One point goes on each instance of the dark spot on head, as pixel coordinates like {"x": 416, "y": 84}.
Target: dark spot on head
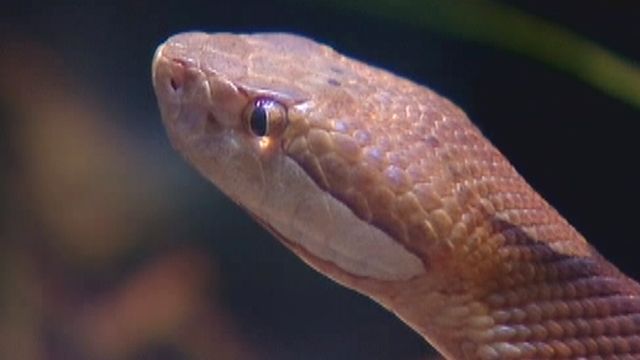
{"x": 333, "y": 82}
{"x": 432, "y": 141}
{"x": 336, "y": 70}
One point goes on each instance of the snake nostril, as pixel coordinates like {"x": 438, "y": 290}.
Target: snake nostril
{"x": 177, "y": 76}
{"x": 176, "y": 81}
{"x": 174, "y": 84}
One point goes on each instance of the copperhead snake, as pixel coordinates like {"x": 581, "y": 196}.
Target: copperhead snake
{"x": 389, "y": 189}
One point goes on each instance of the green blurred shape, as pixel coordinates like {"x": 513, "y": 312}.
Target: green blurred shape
{"x": 505, "y": 27}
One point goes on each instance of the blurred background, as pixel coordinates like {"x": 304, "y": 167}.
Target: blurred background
{"x": 111, "y": 247}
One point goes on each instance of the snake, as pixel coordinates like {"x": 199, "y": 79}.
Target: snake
{"x": 389, "y": 189}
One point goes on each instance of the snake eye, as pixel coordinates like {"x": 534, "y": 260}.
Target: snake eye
{"x": 266, "y": 117}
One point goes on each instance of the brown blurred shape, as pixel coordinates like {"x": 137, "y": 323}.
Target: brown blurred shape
{"x": 85, "y": 179}
{"x": 164, "y": 301}
{"x": 84, "y": 198}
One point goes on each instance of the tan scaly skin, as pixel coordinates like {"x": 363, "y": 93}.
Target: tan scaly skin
{"x": 389, "y": 189}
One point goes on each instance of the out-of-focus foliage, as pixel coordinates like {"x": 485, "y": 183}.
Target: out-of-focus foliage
{"x": 506, "y": 27}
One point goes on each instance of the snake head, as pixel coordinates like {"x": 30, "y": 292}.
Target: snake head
{"x": 244, "y": 110}
{"x": 221, "y": 116}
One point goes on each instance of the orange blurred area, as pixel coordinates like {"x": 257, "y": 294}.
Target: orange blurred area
{"x": 84, "y": 196}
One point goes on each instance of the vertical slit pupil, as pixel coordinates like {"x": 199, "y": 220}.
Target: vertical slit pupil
{"x": 259, "y": 120}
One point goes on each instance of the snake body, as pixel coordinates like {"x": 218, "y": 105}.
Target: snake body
{"x": 389, "y": 189}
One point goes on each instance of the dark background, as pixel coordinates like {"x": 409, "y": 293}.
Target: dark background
{"x": 112, "y": 247}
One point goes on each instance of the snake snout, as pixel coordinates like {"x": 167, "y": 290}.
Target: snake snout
{"x": 170, "y": 78}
